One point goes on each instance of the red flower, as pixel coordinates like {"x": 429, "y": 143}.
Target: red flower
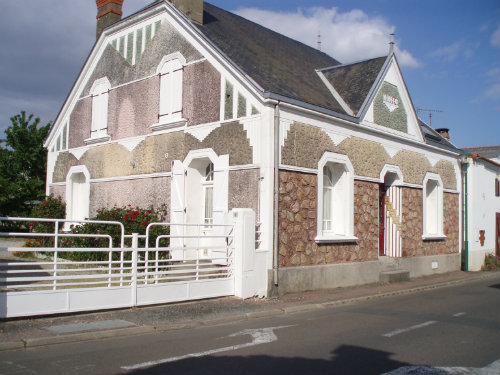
{"x": 133, "y": 216}
{"x": 135, "y": 212}
{"x": 146, "y": 222}
{"x": 126, "y": 217}
{"x": 130, "y": 205}
{"x": 109, "y": 215}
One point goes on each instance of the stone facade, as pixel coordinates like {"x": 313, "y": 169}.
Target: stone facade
{"x": 368, "y": 158}
{"x": 298, "y": 220}
{"x": 412, "y": 225}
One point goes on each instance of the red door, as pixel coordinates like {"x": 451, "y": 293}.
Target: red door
{"x": 497, "y": 245}
{"x": 381, "y": 219}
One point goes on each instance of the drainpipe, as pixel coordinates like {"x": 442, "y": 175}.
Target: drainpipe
{"x": 465, "y": 212}
{"x": 276, "y": 190}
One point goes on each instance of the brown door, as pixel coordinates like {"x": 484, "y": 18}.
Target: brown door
{"x": 381, "y": 219}
{"x": 497, "y": 244}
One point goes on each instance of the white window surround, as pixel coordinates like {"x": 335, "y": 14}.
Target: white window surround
{"x": 77, "y": 193}
{"x": 170, "y": 70}
{"x": 432, "y": 203}
{"x": 344, "y": 232}
{"x": 99, "y": 126}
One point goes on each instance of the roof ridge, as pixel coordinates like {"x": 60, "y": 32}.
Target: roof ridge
{"x": 353, "y": 63}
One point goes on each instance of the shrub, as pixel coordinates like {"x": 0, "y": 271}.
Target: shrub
{"x": 491, "y": 263}
{"x": 134, "y": 220}
{"x": 50, "y": 208}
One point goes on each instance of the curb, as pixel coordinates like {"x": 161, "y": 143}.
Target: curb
{"x": 162, "y": 327}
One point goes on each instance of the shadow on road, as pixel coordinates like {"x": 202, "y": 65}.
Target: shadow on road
{"x": 345, "y": 360}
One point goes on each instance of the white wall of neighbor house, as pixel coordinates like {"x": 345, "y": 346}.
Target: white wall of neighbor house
{"x": 483, "y": 206}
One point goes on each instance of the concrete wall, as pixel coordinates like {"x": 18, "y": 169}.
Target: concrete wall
{"x": 329, "y": 276}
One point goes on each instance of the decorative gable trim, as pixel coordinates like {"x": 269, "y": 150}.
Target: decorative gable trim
{"x": 335, "y": 94}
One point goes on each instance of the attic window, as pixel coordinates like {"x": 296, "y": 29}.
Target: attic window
{"x": 235, "y": 104}
{"x": 99, "y": 128}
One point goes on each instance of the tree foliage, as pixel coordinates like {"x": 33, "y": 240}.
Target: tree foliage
{"x": 23, "y": 162}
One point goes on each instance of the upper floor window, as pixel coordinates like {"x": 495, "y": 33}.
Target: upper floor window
{"x": 171, "y": 91}
{"x": 335, "y": 199}
{"x": 432, "y": 207}
{"x": 99, "y": 92}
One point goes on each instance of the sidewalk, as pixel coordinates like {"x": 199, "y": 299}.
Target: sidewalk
{"x": 30, "y": 332}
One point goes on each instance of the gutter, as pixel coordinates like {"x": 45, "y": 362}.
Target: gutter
{"x": 276, "y": 191}
{"x": 465, "y": 209}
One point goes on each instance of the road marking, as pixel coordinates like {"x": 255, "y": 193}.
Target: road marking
{"x": 491, "y": 369}
{"x": 259, "y": 336}
{"x": 459, "y": 314}
{"x": 403, "y": 330}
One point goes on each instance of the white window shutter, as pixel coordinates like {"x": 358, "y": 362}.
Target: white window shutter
{"x": 164, "y": 94}
{"x": 177, "y": 206}
{"x": 176, "y": 91}
{"x": 220, "y": 205}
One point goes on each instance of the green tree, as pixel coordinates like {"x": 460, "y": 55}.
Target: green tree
{"x": 23, "y": 162}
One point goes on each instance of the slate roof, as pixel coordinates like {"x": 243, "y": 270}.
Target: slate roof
{"x": 433, "y": 138}
{"x": 280, "y": 65}
{"x": 354, "y": 81}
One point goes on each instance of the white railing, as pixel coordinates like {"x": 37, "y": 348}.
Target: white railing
{"x": 87, "y": 273}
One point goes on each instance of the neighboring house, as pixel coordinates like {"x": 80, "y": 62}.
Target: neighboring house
{"x": 192, "y": 106}
{"x": 482, "y": 204}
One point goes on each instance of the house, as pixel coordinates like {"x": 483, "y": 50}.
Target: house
{"x": 481, "y": 174}
{"x": 190, "y": 105}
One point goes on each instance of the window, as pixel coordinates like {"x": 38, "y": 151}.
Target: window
{"x": 335, "y": 199}
{"x": 99, "y": 128}
{"x": 432, "y": 207}
{"x": 208, "y": 195}
{"x": 171, "y": 91}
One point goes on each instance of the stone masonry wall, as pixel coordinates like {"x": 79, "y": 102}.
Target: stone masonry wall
{"x": 412, "y": 225}
{"x": 298, "y": 218}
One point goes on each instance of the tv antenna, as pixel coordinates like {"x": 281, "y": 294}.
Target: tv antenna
{"x": 431, "y": 111}
{"x": 319, "y": 40}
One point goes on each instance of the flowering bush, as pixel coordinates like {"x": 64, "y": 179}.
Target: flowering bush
{"x": 134, "y": 220}
{"x": 491, "y": 263}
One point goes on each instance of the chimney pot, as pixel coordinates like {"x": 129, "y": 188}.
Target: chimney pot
{"x": 444, "y": 132}
{"x": 108, "y": 12}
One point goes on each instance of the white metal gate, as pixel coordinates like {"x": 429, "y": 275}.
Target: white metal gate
{"x": 42, "y": 280}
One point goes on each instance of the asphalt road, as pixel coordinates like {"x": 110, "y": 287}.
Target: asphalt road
{"x": 452, "y": 327}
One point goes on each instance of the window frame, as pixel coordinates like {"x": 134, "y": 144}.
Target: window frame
{"x": 346, "y": 196}
{"x": 171, "y": 78}
{"x": 437, "y": 207}
{"x": 100, "y": 103}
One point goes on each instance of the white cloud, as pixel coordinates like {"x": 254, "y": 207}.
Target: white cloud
{"x": 348, "y": 37}
{"x": 449, "y": 52}
{"x": 493, "y": 82}
{"x": 495, "y": 38}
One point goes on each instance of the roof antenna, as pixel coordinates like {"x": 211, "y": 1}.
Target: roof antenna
{"x": 319, "y": 40}
{"x": 391, "y": 43}
{"x": 430, "y": 113}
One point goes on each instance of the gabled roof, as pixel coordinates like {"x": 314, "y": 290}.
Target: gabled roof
{"x": 354, "y": 81}
{"x": 433, "y": 138}
{"x": 280, "y": 65}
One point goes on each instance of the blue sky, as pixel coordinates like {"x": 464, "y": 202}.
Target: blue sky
{"x": 449, "y": 51}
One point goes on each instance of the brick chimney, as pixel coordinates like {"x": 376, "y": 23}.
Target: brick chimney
{"x": 108, "y": 12}
{"x": 444, "y": 132}
{"x": 193, "y": 9}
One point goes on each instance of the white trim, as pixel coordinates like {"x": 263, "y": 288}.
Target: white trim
{"x": 298, "y": 169}
{"x": 85, "y": 193}
{"x": 335, "y": 238}
{"x": 102, "y": 139}
{"x": 243, "y": 167}
{"x": 430, "y": 237}
{"x": 335, "y": 94}
{"x": 440, "y": 207}
{"x": 394, "y": 169}
{"x": 348, "y": 195}
{"x": 167, "y": 125}
{"x": 170, "y": 57}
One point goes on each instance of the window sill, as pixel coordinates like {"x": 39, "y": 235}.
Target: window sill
{"x": 172, "y": 124}
{"x": 335, "y": 239}
{"x": 433, "y": 237}
{"x": 91, "y": 141}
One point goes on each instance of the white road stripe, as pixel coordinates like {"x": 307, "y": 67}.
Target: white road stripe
{"x": 259, "y": 336}
{"x": 403, "y": 330}
{"x": 459, "y": 314}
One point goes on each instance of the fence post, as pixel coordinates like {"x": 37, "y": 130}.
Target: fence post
{"x": 135, "y": 246}
{"x": 245, "y": 280}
